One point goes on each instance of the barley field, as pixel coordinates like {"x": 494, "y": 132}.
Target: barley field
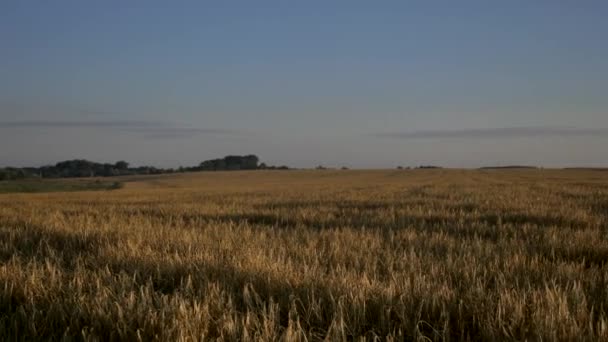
{"x": 311, "y": 255}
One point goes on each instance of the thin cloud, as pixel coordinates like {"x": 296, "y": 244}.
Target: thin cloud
{"x": 507, "y": 132}
{"x": 150, "y": 129}
{"x": 177, "y": 132}
{"x": 90, "y": 112}
{"x": 70, "y": 124}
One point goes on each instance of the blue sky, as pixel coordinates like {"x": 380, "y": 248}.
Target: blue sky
{"x": 362, "y": 84}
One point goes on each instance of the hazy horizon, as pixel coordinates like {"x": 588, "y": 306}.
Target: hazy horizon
{"x": 344, "y": 84}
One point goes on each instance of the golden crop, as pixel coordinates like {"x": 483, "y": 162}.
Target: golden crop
{"x": 311, "y": 255}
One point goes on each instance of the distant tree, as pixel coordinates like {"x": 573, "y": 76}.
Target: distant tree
{"x": 85, "y": 168}
{"x": 107, "y": 170}
{"x": 232, "y": 163}
{"x": 249, "y": 162}
{"x": 49, "y": 172}
{"x": 121, "y": 165}
{"x": 4, "y": 175}
{"x": 76, "y": 168}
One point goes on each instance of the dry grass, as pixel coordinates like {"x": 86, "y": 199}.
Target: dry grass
{"x": 311, "y": 255}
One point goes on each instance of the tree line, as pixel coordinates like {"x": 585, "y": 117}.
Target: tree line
{"x": 85, "y": 168}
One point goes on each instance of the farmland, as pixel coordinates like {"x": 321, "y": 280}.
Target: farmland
{"x": 311, "y": 255}
{"x": 38, "y": 185}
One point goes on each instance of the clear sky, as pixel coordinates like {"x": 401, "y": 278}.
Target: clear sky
{"x": 356, "y": 83}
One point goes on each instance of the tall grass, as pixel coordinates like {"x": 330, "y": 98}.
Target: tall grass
{"x": 311, "y": 255}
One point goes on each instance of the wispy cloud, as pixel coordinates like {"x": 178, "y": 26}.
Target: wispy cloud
{"x": 506, "y": 132}
{"x": 177, "y": 132}
{"x": 101, "y": 113}
{"x": 150, "y": 129}
{"x": 68, "y": 124}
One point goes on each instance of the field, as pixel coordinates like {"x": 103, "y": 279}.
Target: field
{"x": 311, "y": 255}
{"x": 56, "y": 185}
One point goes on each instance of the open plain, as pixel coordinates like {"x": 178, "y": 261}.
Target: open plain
{"x": 311, "y": 255}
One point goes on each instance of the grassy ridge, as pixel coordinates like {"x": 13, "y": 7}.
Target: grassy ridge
{"x": 308, "y": 255}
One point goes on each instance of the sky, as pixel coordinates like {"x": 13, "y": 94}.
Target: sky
{"x": 363, "y": 84}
